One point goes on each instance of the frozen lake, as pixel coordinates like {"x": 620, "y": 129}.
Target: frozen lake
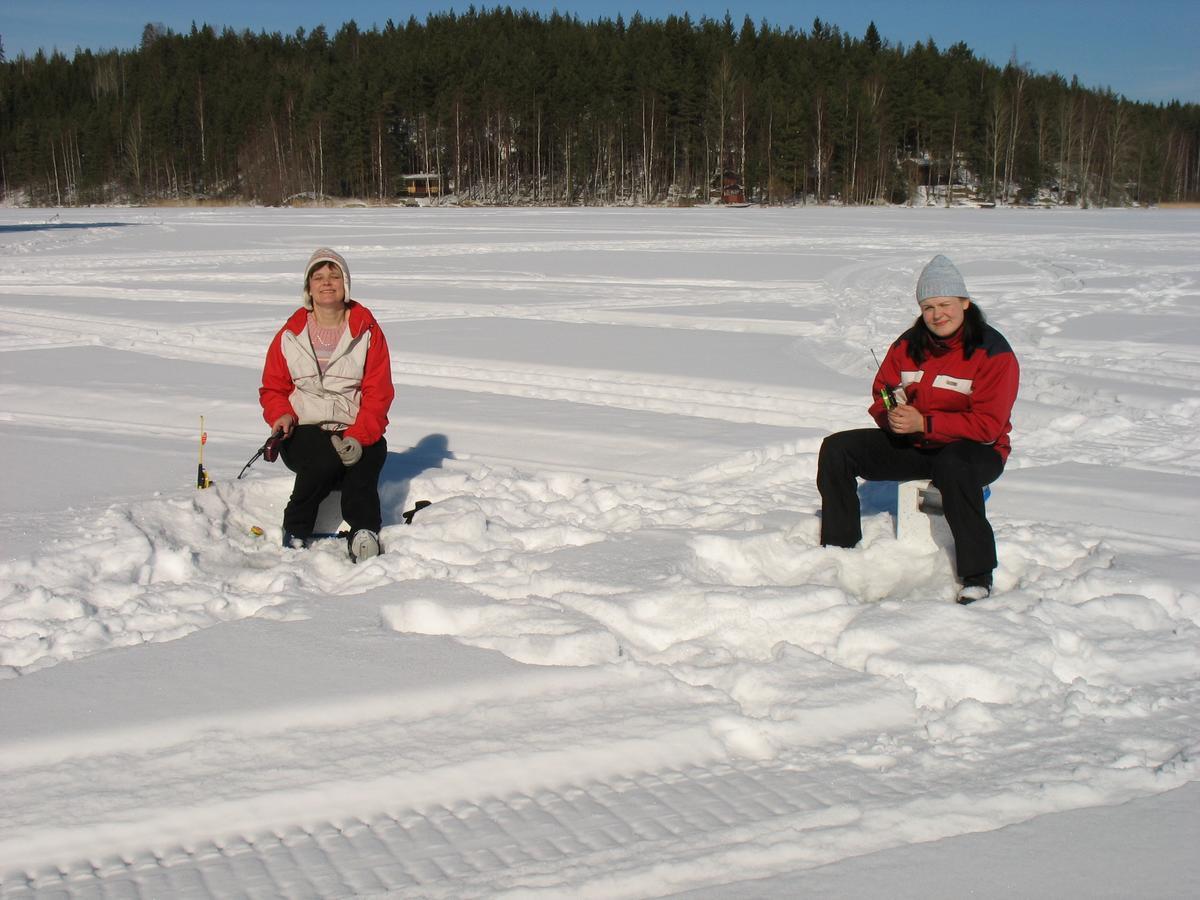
{"x": 611, "y": 659}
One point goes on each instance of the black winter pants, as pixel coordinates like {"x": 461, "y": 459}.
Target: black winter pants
{"x": 959, "y": 470}
{"x": 310, "y": 454}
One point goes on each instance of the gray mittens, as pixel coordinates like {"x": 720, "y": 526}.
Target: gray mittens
{"x": 349, "y": 450}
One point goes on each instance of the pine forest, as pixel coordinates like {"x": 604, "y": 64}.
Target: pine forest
{"x": 504, "y": 107}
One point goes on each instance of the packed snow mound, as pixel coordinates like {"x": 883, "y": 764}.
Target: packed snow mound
{"x": 148, "y": 571}
{"x": 558, "y": 569}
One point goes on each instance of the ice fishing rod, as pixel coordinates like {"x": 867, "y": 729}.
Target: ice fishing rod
{"x": 891, "y": 396}
{"x": 268, "y": 451}
{"x": 202, "y": 479}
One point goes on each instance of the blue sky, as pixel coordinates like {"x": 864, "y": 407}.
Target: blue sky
{"x": 1145, "y": 50}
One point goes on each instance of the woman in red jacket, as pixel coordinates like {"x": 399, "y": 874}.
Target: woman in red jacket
{"x": 327, "y": 387}
{"x": 950, "y": 423}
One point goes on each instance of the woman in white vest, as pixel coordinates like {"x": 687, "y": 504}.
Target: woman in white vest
{"x": 327, "y": 387}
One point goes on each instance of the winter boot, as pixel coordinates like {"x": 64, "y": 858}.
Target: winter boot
{"x": 975, "y": 587}
{"x": 295, "y": 542}
{"x": 364, "y": 544}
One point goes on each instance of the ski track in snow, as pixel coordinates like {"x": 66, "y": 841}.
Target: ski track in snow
{"x": 713, "y": 695}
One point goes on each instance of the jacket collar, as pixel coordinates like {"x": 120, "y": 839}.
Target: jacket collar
{"x": 939, "y": 346}
{"x": 358, "y": 317}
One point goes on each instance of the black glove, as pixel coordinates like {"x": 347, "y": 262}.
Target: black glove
{"x": 349, "y": 450}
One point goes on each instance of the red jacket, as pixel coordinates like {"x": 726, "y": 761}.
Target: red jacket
{"x": 961, "y": 399}
{"x": 353, "y": 394}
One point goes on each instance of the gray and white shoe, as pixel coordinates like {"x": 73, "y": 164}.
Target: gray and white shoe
{"x": 364, "y": 544}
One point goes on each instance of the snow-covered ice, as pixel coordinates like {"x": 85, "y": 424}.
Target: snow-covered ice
{"x": 611, "y": 658}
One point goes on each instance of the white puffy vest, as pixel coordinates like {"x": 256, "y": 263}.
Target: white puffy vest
{"x": 330, "y": 400}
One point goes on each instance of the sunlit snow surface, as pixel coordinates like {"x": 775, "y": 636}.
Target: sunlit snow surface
{"x": 611, "y": 659}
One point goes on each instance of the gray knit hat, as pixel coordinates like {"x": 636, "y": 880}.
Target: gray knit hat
{"x": 320, "y": 256}
{"x": 940, "y": 278}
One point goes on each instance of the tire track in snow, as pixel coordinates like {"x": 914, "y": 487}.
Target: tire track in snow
{"x": 548, "y": 839}
{"x": 678, "y": 395}
{"x": 648, "y": 833}
{"x": 39, "y": 330}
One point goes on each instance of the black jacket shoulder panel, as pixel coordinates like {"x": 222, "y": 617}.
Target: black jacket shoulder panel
{"x": 994, "y": 343}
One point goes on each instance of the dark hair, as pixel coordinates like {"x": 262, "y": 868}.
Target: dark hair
{"x": 923, "y": 341}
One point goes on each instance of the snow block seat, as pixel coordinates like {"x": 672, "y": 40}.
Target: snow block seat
{"x": 916, "y": 502}
{"x": 329, "y": 517}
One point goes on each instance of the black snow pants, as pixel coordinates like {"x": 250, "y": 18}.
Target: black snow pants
{"x": 959, "y": 470}
{"x": 319, "y": 471}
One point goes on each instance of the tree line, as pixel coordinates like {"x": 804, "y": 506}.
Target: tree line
{"x": 510, "y": 107}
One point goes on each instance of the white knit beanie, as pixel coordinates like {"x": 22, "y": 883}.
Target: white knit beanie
{"x": 320, "y": 256}
{"x": 940, "y": 278}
